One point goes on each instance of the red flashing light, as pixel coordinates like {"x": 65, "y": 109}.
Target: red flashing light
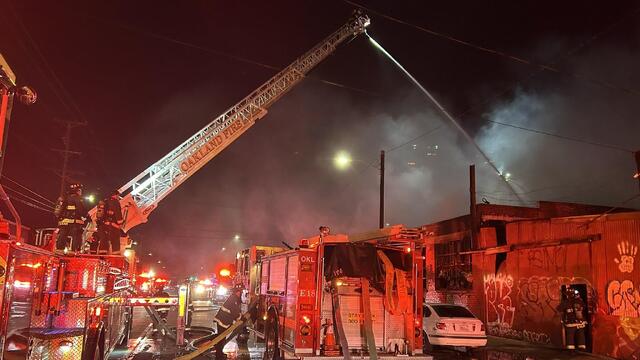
{"x": 408, "y": 250}
{"x": 18, "y": 243}
{"x": 225, "y": 272}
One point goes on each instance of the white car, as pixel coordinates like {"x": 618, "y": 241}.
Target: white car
{"x": 451, "y": 325}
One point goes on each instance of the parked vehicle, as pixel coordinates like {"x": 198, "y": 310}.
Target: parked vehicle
{"x": 451, "y": 325}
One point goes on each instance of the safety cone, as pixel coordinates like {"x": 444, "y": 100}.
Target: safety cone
{"x": 329, "y": 346}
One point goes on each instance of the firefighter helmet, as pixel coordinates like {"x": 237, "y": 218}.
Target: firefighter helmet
{"x": 75, "y": 187}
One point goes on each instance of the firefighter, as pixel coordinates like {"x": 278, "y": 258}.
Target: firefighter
{"x": 109, "y": 219}
{"x": 574, "y": 317}
{"x": 228, "y": 313}
{"x": 71, "y": 214}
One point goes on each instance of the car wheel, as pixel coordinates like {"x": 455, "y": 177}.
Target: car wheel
{"x": 426, "y": 345}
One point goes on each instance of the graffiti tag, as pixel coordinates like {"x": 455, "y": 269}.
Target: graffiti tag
{"x": 540, "y": 296}
{"x": 627, "y": 255}
{"x": 497, "y": 290}
{"x": 552, "y": 259}
{"x": 623, "y": 299}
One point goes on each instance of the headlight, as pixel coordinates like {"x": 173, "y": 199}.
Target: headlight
{"x": 222, "y": 291}
{"x": 200, "y": 289}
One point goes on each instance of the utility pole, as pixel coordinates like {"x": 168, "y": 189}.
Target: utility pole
{"x": 472, "y": 205}
{"x": 637, "y": 175}
{"x": 67, "y": 152}
{"x": 381, "y": 189}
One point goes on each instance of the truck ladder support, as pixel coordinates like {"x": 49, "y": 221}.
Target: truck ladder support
{"x": 158, "y": 322}
{"x": 231, "y": 332}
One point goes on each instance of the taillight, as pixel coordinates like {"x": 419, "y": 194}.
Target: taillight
{"x": 441, "y": 326}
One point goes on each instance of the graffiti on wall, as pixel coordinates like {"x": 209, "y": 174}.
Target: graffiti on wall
{"x": 498, "y": 290}
{"x": 505, "y": 330}
{"x": 539, "y": 296}
{"x": 627, "y": 254}
{"x": 548, "y": 259}
{"x": 623, "y": 298}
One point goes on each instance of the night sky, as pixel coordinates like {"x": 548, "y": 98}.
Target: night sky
{"x": 146, "y": 75}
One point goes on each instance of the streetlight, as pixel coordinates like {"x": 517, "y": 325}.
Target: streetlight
{"x": 343, "y": 161}
{"x": 236, "y": 237}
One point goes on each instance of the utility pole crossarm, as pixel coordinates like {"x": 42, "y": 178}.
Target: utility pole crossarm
{"x": 143, "y": 193}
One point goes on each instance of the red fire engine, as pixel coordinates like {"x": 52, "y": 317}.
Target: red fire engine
{"x": 366, "y": 287}
{"x": 62, "y": 307}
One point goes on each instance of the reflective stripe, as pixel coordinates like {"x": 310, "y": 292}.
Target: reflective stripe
{"x": 70, "y": 221}
{"x": 71, "y": 207}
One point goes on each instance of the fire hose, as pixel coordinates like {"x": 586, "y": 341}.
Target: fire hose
{"x": 401, "y": 303}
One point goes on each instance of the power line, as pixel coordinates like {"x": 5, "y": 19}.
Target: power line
{"x": 32, "y": 205}
{"x": 415, "y": 138}
{"x": 33, "y": 200}
{"x": 220, "y": 53}
{"x": 564, "y": 137}
{"x": 521, "y": 60}
{"x": 29, "y": 190}
{"x": 61, "y": 88}
{"x": 611, "y": 209}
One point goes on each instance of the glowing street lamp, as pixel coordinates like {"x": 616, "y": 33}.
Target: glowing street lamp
{"x": 342, "y": 160}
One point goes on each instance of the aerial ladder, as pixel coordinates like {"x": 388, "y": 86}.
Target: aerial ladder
{"x": 143, "y": 193}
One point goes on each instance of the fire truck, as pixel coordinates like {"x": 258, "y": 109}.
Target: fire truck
{"x": 363, "y": 289}
{"x": 62, "y": 307}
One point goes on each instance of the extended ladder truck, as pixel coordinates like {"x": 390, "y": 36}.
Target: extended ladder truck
{"x": 58, "y": 318}
{"x": 338, "y": 296}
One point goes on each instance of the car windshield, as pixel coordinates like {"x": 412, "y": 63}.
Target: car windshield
{"x": 452, "y": 311}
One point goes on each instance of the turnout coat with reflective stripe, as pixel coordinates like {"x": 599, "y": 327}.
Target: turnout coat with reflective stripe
{"x": 229, "y": 312}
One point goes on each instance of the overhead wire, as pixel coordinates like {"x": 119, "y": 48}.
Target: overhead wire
{"x": 28, "y": 189}
{"x": 28, "y": 198}
{"x": 220, "y": 53}
{"x": 518, "y": 59}
{"x": 613, "y": 208}
{"x": 61, "y": 92}
{"x": 564, "y": 137}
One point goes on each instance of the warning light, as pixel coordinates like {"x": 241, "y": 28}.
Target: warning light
{"x": 408, "y": 250}
{"x": 306, "y": 319}
{"x": 225, "y": 272}
{"x": 18, "y": 243}
{"x": 65, "y": 346}
{"x": 98, "y": 311}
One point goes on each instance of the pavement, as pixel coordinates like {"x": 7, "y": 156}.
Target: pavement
{"x": 147, "y": 344}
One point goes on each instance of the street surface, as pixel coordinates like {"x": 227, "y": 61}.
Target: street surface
{"x": 145, "y": 343}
